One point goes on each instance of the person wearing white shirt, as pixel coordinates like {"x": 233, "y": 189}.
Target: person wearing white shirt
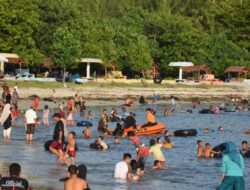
{"x": 122, "y": 169}
{"x": 31, "y": 120}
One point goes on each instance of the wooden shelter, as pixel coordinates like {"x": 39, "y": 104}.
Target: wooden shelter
{"x": 239, "y": 70}
{"x": 197, "y": 68}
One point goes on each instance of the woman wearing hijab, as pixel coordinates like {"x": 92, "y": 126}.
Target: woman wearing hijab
{"x": 82, "y": 173}
{"x": 6, "y": 121}
{"x": 232, "y": 168}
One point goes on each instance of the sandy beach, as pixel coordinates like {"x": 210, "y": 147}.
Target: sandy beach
{"x": 120, "y": 93}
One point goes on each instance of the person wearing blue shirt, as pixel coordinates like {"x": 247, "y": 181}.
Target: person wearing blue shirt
{"x": 232, "y": 169}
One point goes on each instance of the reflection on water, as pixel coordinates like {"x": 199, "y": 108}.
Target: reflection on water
{"x": 185, "y": 170}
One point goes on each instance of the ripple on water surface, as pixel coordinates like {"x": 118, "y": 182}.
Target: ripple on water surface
{"x": 185, "y": 170}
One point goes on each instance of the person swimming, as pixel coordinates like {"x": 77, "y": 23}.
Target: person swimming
{"x": 206, "y": 130}
{"x": 87, "y": 133}
{"x": 209, "y": 153}
{"x": 142, "y": 100}
{"x": 200, "y": 149}
{"x": 116, "y": 140}
{"x": 102, "y": 143}
{"x": 156, "y": 166}
{"x": 165, "y": 111}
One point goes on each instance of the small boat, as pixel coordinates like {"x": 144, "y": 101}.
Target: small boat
{"x": 152, "y": 130}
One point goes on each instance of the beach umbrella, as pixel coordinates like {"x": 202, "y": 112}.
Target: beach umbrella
{"x": 180, "y": 65}
{"x": 3, "y": 59}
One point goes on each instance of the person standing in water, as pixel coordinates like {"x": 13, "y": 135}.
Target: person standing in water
{"x": 15, "y": 97}
{"x": 232, "y": 169}
{"x": 122, "y": 169}
{"x": 36, "y": 102}
{"x": 46, "y": 112}
{"x": 70, "y": 149}
{"x": 155, "y": 149}
{"x": 6, "y": 121}
{"x": 30, "y": 120}
{"x": 56, "y": 146}
{"x": 103, "y": 123}
{"x": 142, "y": 155}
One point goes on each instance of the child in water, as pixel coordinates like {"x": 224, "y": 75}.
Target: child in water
{"x": 116, "y": 140}
{"x": 15, "y": 112}
{"x": 134, "y": 139}
{"x": 209, "y": 153}
{"x": 36, "y": 102}
{"x": 200, "y": 149}
{"x": 89, "y": 116}
{"x": 220, "y": 128}
{"x": 206, "y": 130}
{"x": 87, "y": 133}
{"x": 46, "y": 116}
{"x": 156, "y": 166}
{"x": 70, "y": 149}
{"x": 70, "y": 119}
{"x": 165, "y": 111}
{"x": 155, "y": 149}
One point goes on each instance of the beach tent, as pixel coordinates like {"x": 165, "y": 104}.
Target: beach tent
{"x": 89, "y": 61}
{"x": 181, "y": 65}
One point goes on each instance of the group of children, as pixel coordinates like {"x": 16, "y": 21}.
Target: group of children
{"x": 205, "y": 150}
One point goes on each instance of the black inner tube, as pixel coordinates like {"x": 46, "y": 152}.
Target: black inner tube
{"x": 185, "y": 132}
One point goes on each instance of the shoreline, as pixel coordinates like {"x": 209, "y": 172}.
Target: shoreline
{"x": 119, "y": 93}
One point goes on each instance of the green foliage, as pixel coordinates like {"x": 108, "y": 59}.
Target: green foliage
{"x": 133, "y": 33}
{"x": 65, "y": 49}
{"x": 19, "y": 22}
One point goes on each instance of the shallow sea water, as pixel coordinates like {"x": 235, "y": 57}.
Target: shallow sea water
{"x": 185, "y": 171}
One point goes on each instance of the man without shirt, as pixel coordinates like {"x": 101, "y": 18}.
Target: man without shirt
{"x": 74, "y": 182}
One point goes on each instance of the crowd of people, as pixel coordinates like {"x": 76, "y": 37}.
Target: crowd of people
{"x": 64, "y": 144}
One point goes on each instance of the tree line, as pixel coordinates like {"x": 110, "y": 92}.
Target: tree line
{"x": 132, "y": 33}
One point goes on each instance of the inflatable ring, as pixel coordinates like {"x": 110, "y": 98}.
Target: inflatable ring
{"x": 185, "y": 132}
{"x": 167, "y": 145}
{"x": 96, "y": 146}
{"x": 205, "y": 111}
{"x": 47, "y": 145}
{"x": 219, "y": 148}
{"x": 84, "y": 124}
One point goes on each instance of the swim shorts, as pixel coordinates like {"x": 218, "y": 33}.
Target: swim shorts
{"x": 56, "y": 145}
{"x": 72, "y": 153}
{"x": 30, "y": 128}
{"x": 141, "y": 163}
